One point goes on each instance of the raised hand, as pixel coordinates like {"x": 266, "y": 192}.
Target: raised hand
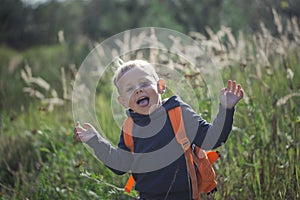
{"x": 230, "y": 95}
{"x": 83, "y": 135}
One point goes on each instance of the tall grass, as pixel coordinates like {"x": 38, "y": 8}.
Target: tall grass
{"x": 39, "y": 158}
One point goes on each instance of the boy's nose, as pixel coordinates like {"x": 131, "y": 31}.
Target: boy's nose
{"x": 138, "y": 90}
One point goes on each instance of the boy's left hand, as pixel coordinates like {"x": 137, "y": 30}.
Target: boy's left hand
{"x": 231, "y": 95}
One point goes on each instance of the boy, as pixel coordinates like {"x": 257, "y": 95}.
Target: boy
{"x": 140, "y": 92}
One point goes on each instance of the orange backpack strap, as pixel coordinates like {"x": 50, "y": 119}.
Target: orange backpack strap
{"x": 127, "y": 134}
{"x": 204, "y": 181}
{"x": 128, "y": 140}
{"x": 175, "y": 115}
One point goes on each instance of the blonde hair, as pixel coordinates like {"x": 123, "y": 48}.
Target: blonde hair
{"x": 127, "y": 66}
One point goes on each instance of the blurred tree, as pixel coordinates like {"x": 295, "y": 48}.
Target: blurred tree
{"x": 53, "y": 16}
{"x": 195, "y": 15}
{"x": 23, "y": 25}
{"x": 12, "y": 22}
{"x": 158, "y": 13}
{"x": 232, "y": 15}
{"x": 103, "y": 19}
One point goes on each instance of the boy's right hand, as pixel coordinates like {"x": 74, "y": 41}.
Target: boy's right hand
{"x": 83, "y": 135}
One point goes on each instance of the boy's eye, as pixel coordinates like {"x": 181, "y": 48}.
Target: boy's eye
{"x": 145, "y": 84}
{"x": 129, "y": 89}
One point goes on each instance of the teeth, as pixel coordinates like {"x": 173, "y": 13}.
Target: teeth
{"x": 139, "y": 99}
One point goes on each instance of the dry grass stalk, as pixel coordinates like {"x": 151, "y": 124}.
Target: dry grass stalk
{"x": 290, "y": 74}
{"x": 64, "y": 84}
{"x": 13, "y": 63}
{"x": 277, "y": 21}
{"x": 296, "y": 29}
{"x": 33, "y": 93}
{"x": 26, "y": 75}
{"x": 284, "y": 99}
{"x": 34, "y": 82}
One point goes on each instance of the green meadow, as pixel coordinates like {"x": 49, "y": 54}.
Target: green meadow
{"x": 40, "y": 160}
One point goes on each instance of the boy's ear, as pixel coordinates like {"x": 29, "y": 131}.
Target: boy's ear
{"x": 161, "y": 86}
{"x": 122, "y": 102}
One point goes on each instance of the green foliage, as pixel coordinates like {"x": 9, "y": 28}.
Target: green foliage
{"x": 39, "y": 158}
{"x": 42, "y": 160}
{"x": 263, "y": 144}
{"x": 24, "y": 25}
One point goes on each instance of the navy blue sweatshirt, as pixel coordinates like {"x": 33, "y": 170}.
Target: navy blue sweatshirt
{"x": 158, "y": 164}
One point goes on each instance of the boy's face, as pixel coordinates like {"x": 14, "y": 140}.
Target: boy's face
{"x": 140, "y": 91}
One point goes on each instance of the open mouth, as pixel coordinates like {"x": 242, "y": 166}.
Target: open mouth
{"x": 143, "y": 101}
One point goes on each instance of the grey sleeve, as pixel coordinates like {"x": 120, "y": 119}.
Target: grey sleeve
{"x": 208, "y": 135}
{"x": 117, "y": 159}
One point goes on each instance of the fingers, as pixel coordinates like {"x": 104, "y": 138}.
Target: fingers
{"x": 228, "y": 88}
{"x": 76, "y": 137}
{"x": 77, "y": 132}
{"x": 88, "y": 125}
{"x": 233, "y": 87}
{"x": 241, "y": 93}
{"x": 79, "y": 128}
{"x": 238, "y": 92}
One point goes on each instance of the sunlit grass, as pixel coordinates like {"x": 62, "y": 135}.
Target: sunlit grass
{"x": 260, "y": 160}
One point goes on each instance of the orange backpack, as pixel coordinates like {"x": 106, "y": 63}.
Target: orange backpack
{"x": 203, "y": 180}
